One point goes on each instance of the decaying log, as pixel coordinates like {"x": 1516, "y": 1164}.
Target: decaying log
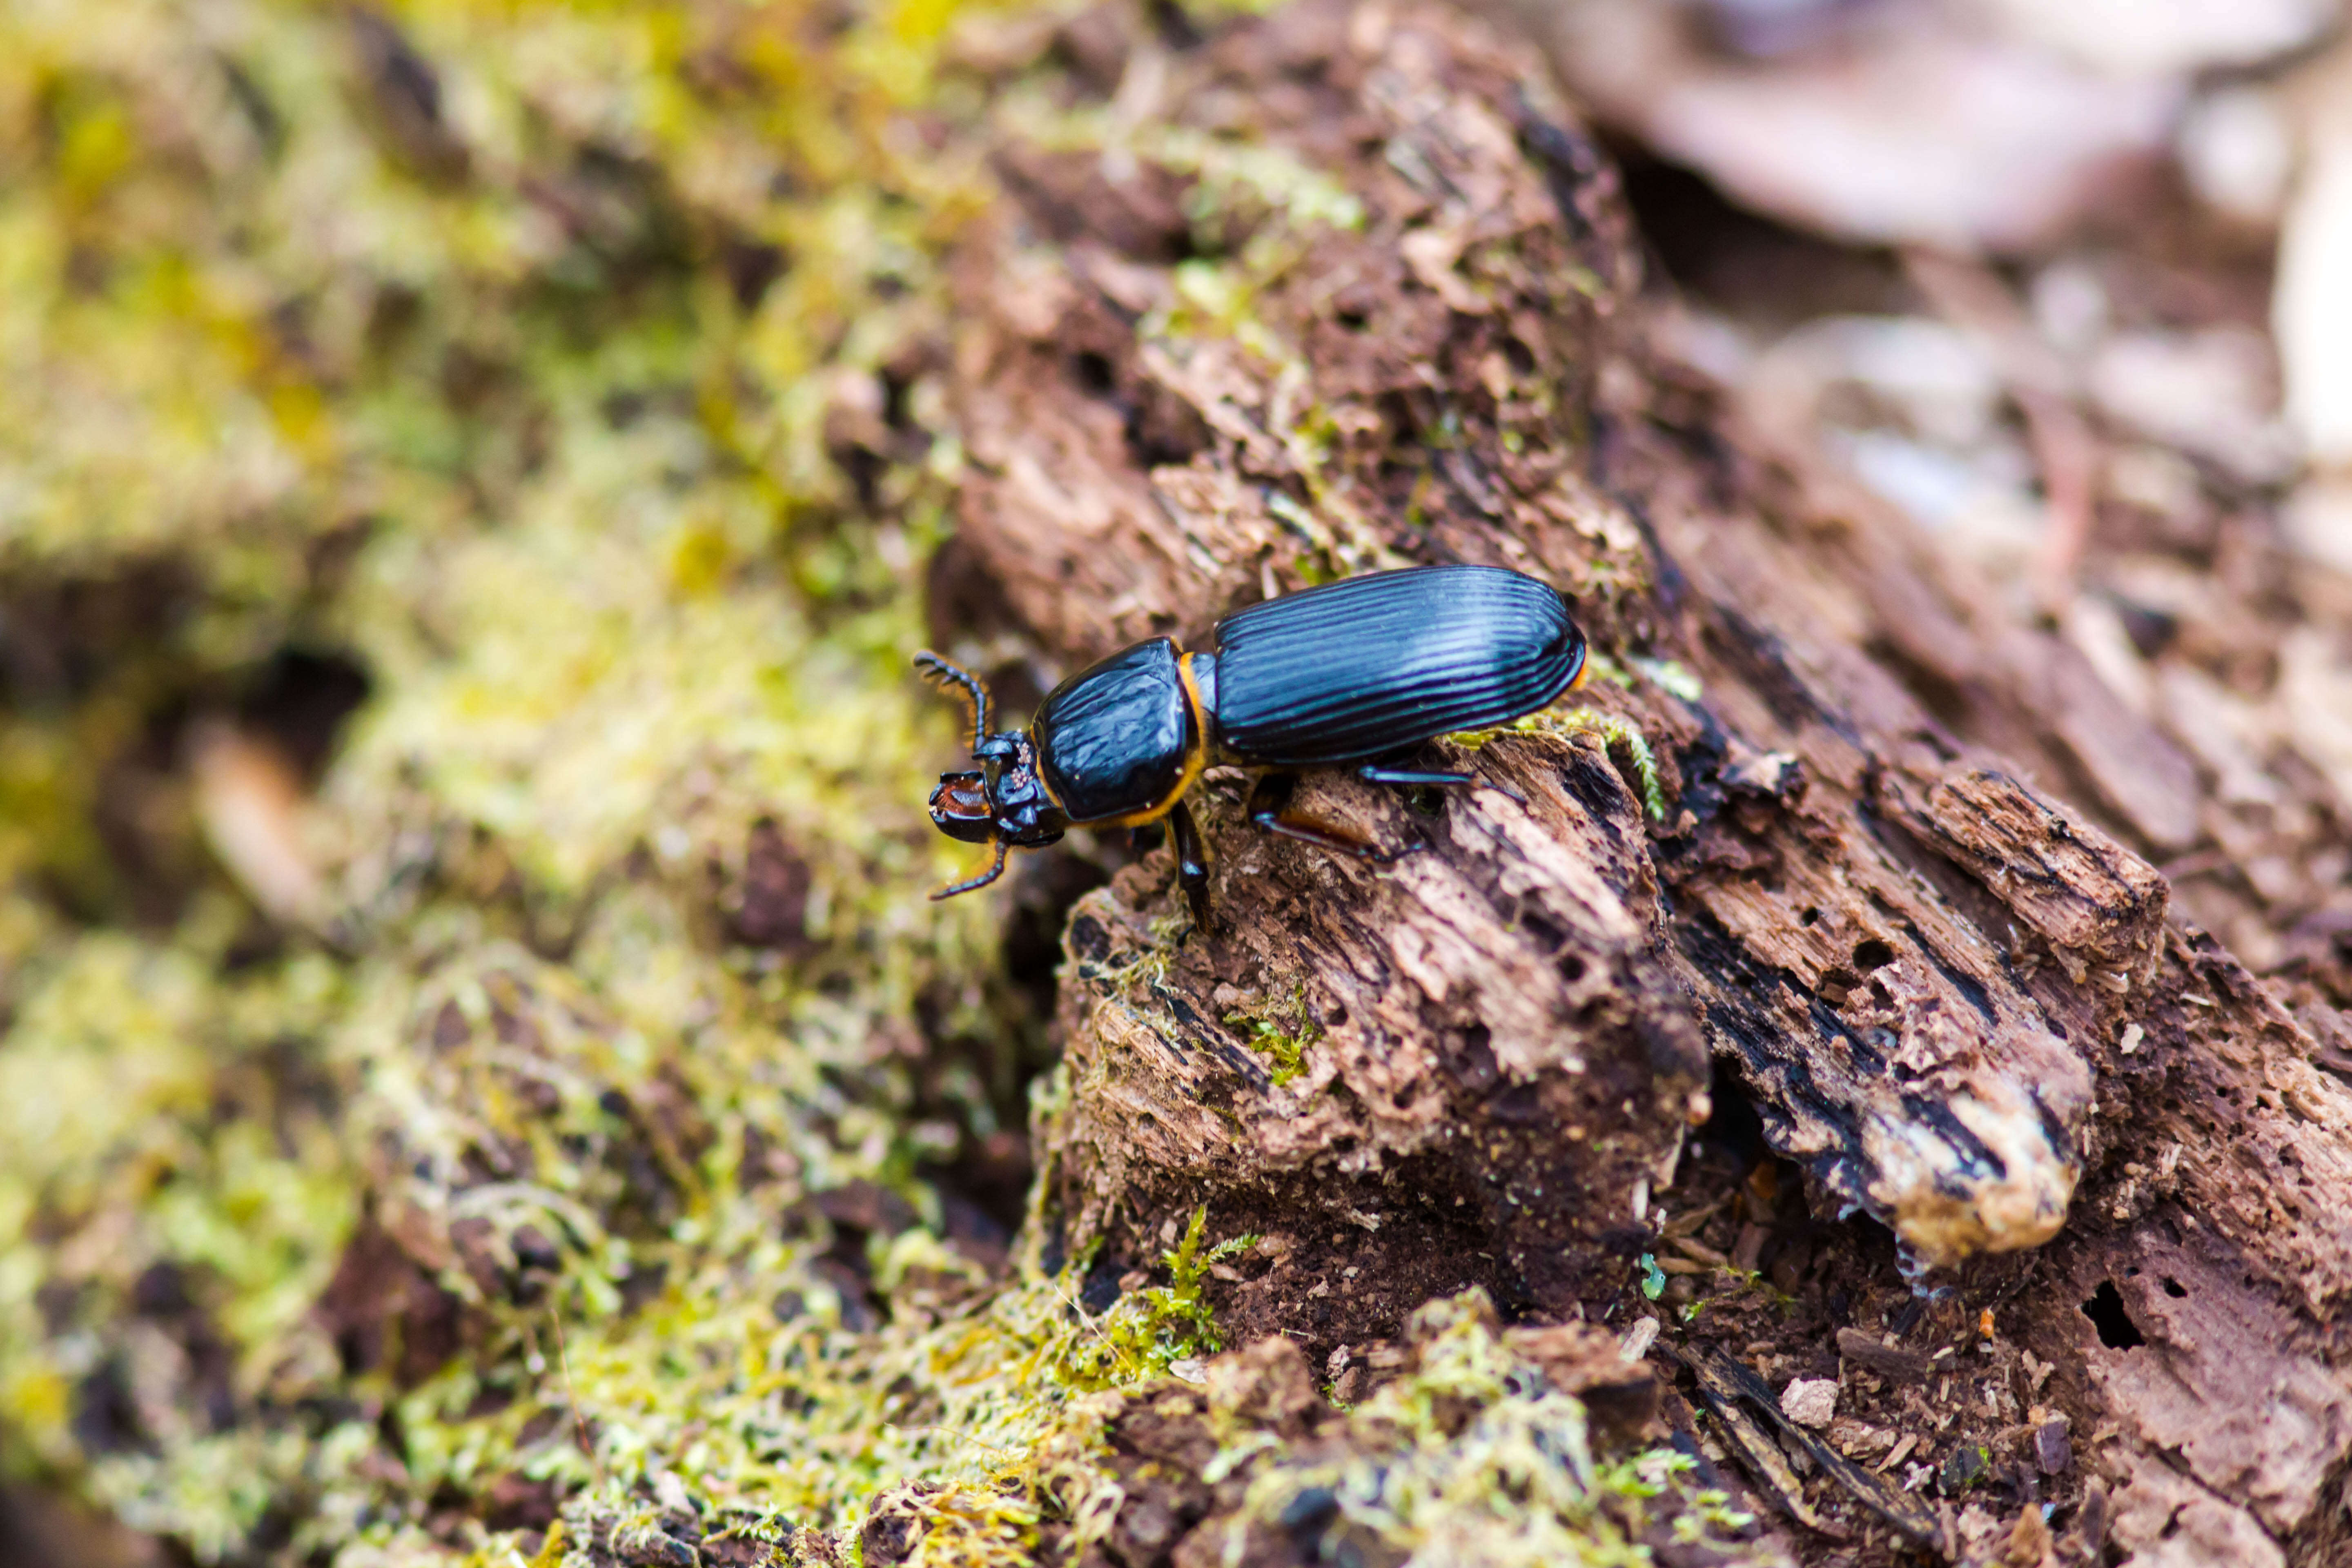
{"x": 1404, "y": 328}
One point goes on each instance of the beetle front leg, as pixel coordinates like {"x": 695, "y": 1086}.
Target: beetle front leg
{"x": 1269, "y": 809}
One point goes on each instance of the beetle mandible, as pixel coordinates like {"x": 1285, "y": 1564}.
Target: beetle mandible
{"x": 1358, "y": 672}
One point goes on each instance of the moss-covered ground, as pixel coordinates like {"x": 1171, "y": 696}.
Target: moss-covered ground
{"x": 506, "y": 1121}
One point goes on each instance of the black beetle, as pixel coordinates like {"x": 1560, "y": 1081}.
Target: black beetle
{"x": 1352, "y": 673}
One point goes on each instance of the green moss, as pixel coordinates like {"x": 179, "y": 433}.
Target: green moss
{"x": 1604, "y": 667}
{"x": 1627, "y": 747}
{"x": 618, "y": 605}
{"x": 1283, "y": 1042}
{"x": 1671, "y": 675}
{"x": 1631, "y": 750}
{"x": 1469, "y": 1456}
{"x": 1176, "y": 1326}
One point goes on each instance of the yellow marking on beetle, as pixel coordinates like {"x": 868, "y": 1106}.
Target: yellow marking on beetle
{"x": 1045, "y": 784}
{"x": 1194, "y": 706}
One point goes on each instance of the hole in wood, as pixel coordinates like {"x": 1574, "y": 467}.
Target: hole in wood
{"x": 1732, "y": 1123}
{"x": 1872, "y": 953}
{"x": 1093, "y": 372}
{"x": 2105, "y": 1311}
{"x": 2174, "y": 1287}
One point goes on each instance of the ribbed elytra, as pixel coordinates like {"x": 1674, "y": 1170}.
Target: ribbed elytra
{"x": 1372, "y": 665}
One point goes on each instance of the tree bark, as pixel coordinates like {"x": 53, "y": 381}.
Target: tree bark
{"x": 1406, "y": 327}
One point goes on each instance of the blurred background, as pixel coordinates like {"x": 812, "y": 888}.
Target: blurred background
{"x": 2067, "y": 285}
{"x": 467, "y": 477}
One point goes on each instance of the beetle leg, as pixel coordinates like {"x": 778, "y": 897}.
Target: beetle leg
{"x": 972, "y": 884}
{"x": 1192, "y": 863}
{"x": 1373, "y": 773}
{"x": 1269, "y": 810}
{"x": 940, "y": 672}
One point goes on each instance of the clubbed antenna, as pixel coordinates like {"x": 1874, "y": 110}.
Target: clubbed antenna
{"x": 940, "y": 672}
{"x": 995, "y": 869}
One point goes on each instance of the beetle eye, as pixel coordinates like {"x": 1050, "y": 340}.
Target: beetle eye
{"x": 962, "y": 810}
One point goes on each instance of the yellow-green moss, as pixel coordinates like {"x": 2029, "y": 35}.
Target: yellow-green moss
{"x": 1628, "y": 748}
{"x": 618, "y": 603}
{"x": 1470, "y": 1458}
{"x": 1281, "y": 1034}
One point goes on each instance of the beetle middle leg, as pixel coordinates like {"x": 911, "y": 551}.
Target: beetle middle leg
{"x": 1380, "y": 773}
{"x": 1192, "y": 863}
{"x": 1373, "y": 773}
{"x": 1269, "y": 809}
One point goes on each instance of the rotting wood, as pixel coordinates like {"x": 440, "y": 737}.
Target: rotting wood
{"x": 1736, "y": 1396}
{"x": 1887, "y": 1361}
{"x": 1958, "y": 1002}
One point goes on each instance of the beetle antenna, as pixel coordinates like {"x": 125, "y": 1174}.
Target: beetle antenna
{"x": 995, "y": 869}
{"x": 941, "y": 673}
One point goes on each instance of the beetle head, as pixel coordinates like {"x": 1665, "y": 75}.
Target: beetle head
{"x": 1004, "y": 798}
{"x": 960, "y": 807}
{"x": 1003, "y": 802}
